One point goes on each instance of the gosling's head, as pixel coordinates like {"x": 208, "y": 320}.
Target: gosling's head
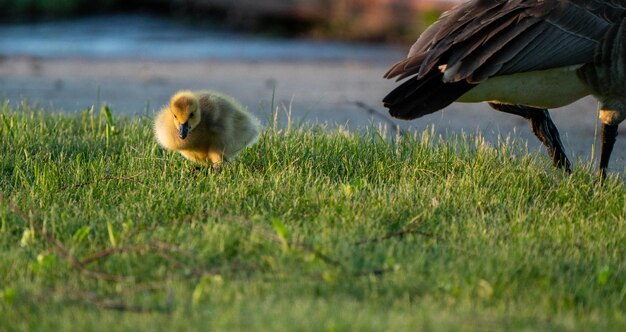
{"x": 186, "y": 110}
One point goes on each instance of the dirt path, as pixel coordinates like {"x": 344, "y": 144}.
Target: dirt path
{"x": 316, "y": 92}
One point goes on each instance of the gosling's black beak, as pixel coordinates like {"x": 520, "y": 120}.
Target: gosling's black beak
{"x": 183, "y": 130}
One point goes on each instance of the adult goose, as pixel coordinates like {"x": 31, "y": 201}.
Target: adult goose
{"x": 523, "y": 57}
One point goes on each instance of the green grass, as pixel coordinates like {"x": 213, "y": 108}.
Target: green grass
{"x": 100, "y": 229}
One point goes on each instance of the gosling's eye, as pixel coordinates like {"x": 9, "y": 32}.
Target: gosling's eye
{"x": 175, "y": 117}
{"x": 191, "y": 115}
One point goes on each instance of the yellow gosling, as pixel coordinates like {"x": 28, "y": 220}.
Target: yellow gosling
{"x": 206, "y": 127}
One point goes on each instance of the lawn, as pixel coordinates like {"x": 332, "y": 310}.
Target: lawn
{"x": 310, "y": 229}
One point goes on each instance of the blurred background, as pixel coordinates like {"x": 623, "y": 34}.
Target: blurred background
{"x": 313, "y": 60}
{"x": 345, "y": 19}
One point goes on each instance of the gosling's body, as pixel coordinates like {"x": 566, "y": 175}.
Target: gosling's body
{"x": 206, "y": 127}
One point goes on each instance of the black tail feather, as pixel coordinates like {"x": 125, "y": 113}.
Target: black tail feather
{"x": 417, "y": 97}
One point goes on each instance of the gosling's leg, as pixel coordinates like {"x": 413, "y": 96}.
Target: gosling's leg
{"x": 216, "y": 158}
{"x": 545, "y": 130}
{"x": 608, "y": 136}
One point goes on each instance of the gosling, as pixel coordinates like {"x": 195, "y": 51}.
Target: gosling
{"x": 206, "y": 127}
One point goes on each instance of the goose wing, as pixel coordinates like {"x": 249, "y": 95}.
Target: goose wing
{"x": 484, "y": 38}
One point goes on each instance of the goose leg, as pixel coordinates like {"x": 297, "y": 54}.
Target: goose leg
{"x": 608, "y": 134}
{"x": 545, "y": 130}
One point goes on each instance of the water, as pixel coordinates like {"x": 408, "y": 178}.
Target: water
{"x": 149, "y": 37}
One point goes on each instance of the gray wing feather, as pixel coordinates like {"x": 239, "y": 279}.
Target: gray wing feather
{"x": 499, "y": 37}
